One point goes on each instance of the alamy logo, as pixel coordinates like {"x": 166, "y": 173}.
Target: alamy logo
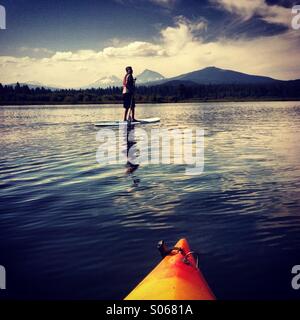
{"x": 296, "y": 278}
{"x": 2, "y": 18}
{"x": 2, "y": 278}
{"x": 135, "y": 146}
{"x": 296, "y": 18}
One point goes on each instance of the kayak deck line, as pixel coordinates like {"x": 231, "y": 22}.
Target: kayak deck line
{"x": 176, "y": 277}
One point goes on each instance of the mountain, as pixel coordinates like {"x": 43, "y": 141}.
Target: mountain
{"x": 105, "y": 82}
{"x": 213, "y": 75}
{"x": 34, "y": 85}
{"x": 148, "y": 76}
{"x": 176, "y": 83}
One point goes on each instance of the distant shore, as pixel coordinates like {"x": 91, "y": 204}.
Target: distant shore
{"x": 43, "y": 103}
{"x": 23, "y": 95}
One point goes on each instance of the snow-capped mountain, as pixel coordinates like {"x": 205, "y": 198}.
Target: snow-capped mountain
{"x": 105, "y": 82}
{"x": 149, "y": 76}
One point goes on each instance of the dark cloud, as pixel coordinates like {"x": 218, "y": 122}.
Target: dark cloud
{"x": 283, "y": 3}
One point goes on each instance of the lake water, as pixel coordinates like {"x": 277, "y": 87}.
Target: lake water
{"x": 71, "y": 228}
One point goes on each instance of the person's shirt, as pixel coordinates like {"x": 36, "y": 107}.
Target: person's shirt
{"x": 128, "y": 84}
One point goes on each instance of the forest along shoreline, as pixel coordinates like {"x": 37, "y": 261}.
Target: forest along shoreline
{"x": 24, "y": 95}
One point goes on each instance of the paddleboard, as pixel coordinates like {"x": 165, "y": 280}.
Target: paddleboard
{"x": 118, "y": 122}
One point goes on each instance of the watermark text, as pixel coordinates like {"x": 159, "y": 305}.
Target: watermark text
{"x": 296, "y": 17}
{"x": 2, "y": 18}
{"x": 151, "y": 147}
{"x": 296, "y": 278}
{"x": 2, "y": 278}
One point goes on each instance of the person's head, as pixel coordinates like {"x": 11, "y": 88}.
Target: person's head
{"x": 129, "y": 70}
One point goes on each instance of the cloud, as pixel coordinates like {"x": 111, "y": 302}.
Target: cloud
{"x": 78, "y": 56}
{"x": 246, "y": 9}
{"x": 162, "y": 3}
{"x": 165, "y": 3}
{"x": 179, "y": 48}
{"x": 8, "y": 60}
{"x": 134, "y": 49}
{"x": 36, "y": 50}
{"x": 175, "y": 38}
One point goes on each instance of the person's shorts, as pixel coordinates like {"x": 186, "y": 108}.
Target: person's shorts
{"x": 128, "y": 101}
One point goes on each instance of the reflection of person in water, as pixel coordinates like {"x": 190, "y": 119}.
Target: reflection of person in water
{"x": 131, "y": 167}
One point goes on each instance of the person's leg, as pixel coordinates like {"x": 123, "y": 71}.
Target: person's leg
{"x": 125, "y": 105}
{"x": 133, "y": 110}
{"x": 125, "y": 114}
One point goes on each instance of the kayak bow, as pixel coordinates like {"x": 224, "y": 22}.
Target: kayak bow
{"x": 176, "y": 277}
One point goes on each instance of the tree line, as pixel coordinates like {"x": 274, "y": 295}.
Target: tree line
{"x": 23, "y": 94}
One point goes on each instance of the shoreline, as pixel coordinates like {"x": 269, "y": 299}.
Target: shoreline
{"x": 42, "y": 103}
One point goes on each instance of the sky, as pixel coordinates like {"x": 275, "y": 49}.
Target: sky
{"x": 74, "y": 43}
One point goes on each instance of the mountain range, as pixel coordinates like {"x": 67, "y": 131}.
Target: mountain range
{"x": 209, "y": 75}
{"x": 36, "y": 84}
{"x": 146, "y": 77}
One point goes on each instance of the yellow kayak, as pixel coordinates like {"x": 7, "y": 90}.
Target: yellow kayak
{"x": 176, "y": 277}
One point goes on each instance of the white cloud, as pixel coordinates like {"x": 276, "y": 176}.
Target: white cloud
{"x": 165, "y": 3}
{"x": 162, "y": 3}
{"x": 36, "y": 50}
{"x": 246, "y": 9}
{"x": 80, "y": 55}
{"x": 134, "y": 49}
{"x": 178, "y": 49}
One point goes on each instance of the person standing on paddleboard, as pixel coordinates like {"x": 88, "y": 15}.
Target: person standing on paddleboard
{"x": 128, "y": 94}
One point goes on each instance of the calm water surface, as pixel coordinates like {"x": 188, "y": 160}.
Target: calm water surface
{"x": 71, "y": 228}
